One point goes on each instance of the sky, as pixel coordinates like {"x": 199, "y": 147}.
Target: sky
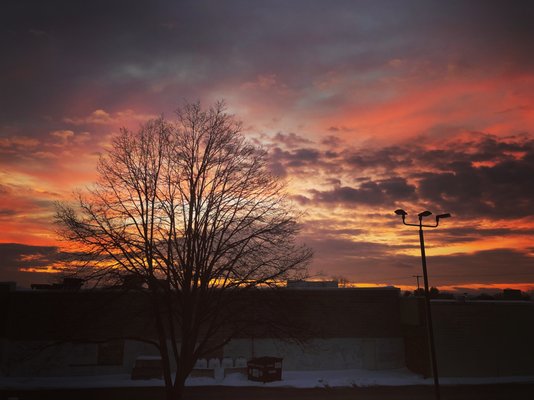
{"x": 364, "y": 107}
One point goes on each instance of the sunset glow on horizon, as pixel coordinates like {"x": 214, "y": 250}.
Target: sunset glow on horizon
{"x": 364, "y": 108}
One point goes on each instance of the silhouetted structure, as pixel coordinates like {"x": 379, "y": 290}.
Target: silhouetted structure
{"x": 305, "y": 284}
{"x": 87, "y": 332}
{"x": 105, "y": 331}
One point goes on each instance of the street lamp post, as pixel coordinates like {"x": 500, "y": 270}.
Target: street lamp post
{"x": 430, "y": 329}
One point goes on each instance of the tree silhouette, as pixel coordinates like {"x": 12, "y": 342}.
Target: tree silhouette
{"x": 191, "y": 209}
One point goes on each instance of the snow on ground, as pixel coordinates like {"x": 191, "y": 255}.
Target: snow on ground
{"x": 294, "y": 379}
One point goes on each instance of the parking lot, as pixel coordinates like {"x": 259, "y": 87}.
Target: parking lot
{"x": 460, "y": 392}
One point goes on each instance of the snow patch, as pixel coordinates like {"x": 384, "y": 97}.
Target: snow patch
{"x": 293, "y": 379}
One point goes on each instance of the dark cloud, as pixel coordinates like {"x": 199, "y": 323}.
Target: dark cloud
{"x": 332, "y": 141}
{"x": 277, "y": 169}
{"x": 481, "y": 175}
{"x": 445, "y": 156}
{"x": 337, "y": 253}
{"x": 151, "y": 50}
{"x": 290, "y": 140}
{"x": 487, "y": 266}
{"x": 323, "y": 229}
{"x": 27, "y": 264}
{"x": 18, "y": 257}
{"x": 471, "y": 234}
{"x": 373, "y": 262}
{"x": 472, "y": 176}
{"x": 503, "y": 190}
{"x": 6, "y": 212}
{"x": 387, "y": 191}
{"x": 296, "y": 159}
{"x": 303, "y": 156}
{"x": 388, "y": 158}
{"x": 475, "y": 148}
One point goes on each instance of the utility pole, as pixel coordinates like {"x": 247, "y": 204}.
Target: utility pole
{"x": 417, "y": 277}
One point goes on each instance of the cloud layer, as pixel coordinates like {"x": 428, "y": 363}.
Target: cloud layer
{"x": 364, "y": 107}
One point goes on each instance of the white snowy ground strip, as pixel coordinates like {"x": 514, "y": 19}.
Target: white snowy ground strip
{"x": 294, "y": 379}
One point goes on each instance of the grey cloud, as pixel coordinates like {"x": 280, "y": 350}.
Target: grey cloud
{"x": 502, "y": 190}
{"x": 488, "y": 266}
{"x": 305, "y": 155}
{"x": 374, "y": 262}
{"x": 295, "y": 158}
{"x": 478, "y": 148}
{"x": 330, "y": 154}
{"x": 277, "y": 169}
{"x": 6, "y": 212}
{"x": 27, "y": 264}
{"x": 332, "y": 140}
{"x": 303, "y": 200}
{"x": 470, "y": 234}
{"x": 290, "y": 140}
{"x": 109, "y": 51}
{"x": 332, "y": 250}
{"x": 481, "y": 176}
{"x": 15, "y": 256}
{"x": 322, "y": 229}
{"x": 387, "y": 191}
{"x": 390, "y": 158}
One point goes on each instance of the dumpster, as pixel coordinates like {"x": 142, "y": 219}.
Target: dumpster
{"x": 265, "y": 369}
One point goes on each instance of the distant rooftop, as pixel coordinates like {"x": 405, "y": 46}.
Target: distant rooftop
{"x": 302, "y": 284}
{"x": 332, "y": 284}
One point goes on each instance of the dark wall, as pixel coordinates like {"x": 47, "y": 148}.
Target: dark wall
{"x": 485, "y": 338}
{"x": 472, "y": 338}
{"x": 98, "y": 315}
{"x": 348, "y": 312}
{"x": 74, "y": 315}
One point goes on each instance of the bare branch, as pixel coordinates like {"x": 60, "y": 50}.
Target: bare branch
{"x": 191, "y": 208}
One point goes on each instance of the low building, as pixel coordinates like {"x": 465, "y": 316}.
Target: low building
{"x": 66, "y": 332}
{"x": 61, "y": 331}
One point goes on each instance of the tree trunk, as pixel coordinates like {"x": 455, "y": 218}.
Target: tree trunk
{"x": 173, "y": 394}
{"x": 179, "y": 386}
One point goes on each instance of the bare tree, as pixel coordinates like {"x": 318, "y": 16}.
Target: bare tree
{"x": 191, "y": 208}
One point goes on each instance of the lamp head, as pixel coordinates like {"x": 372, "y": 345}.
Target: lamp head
{"x": 424, "y": 214}
{"x": 440, "y": 216}
{"x": 401, "y": 212}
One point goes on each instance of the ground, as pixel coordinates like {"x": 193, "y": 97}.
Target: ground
{"x": 455, "y": 392}
{"x": 398, "y": 384}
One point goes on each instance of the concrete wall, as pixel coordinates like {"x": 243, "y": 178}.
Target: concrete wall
{"x": 370, "y": 329}
{"x": 324, "y": 354}
{"x": 484, "y": 338}
{"x": 33, "y": 358}
{"x": 44, "y": 358}
{"x": 344, "y": 328}
{"x": 472, "y": 338}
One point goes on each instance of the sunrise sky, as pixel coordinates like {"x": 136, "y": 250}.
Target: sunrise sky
{"x": 364, "y": 106}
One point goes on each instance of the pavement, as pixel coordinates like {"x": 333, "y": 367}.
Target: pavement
{"x": 501, "y": 391}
